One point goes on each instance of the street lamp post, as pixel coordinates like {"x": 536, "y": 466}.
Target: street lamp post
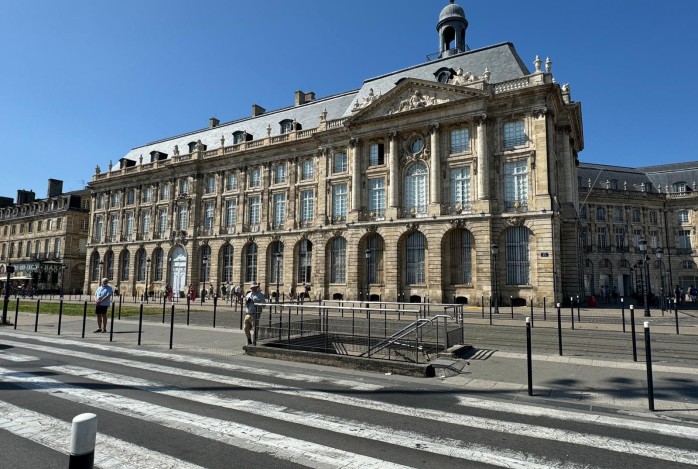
{"x": 659, "y": 253}
{"x": 63, "y": 266}
{"x": 277, "y": 258}
{"x": 495, "y": 250}
{"x": 101, "y": 271}
{"x": 368, "y": 272}
{"x": 645, "y": 272}
{"x": 147, "y": 270}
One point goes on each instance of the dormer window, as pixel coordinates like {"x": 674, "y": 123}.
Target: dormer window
{"x": 444, "y": 74}
{"x": 680, "y": 187}
{"x": 240, "y": 137}
{"x": 286, "y": 126}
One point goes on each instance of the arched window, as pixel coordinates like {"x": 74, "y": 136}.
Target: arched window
{"x": 305, "y": 259}
{"x": 375, "y": 247}
{"x": 206, "y": 263}
{"x": 416, "y": 189}
{"x": 227, "y": 263}
{"x": 416, "y": 248}
{"x": 461, "y": 247}
{"x": 338, "y": 260}
{"x": 94, "y": 264}
{"x": 109, "y": 265}
{"x": 251, "y": 263}
{"x": 140, "y": 265}
{"x": 125, "y": 265}
{"x": 517, "y": 240}
{"x": 158, "y": 260}
{"x": 277, "y": 261}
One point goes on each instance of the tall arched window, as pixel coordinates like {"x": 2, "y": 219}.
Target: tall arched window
{"x": 94, "y": 265}
{"x": 338, "y": 260}
{"x": 227, "y": 263}
{"x": 109, "y": 265}
{"x": 206, "y": 263}
{"x": 416, "y": 248}
{"x": 277, "y": 261}
{"x": 517, "y": 240}
{"x": 460, "y": 250}
{"x": 305, "y": 260}
{"x": 416, "y": 189}
{"x": 140, "y": 265}
{"x": 158, "y": 260}
{"x": 125, "y": 265}
{"x": 375, "y": 246}
{"x": 251, "y": 263}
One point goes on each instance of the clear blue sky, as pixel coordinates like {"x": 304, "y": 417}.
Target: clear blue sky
{"x": 84, "y": 81}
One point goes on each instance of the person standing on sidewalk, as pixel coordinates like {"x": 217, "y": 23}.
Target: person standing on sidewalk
{"x": 103, "y": 297}
{"x": 252, "y": 299}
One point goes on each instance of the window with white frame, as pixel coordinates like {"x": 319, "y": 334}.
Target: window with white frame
{"x": 255, "y": 177}
{"x": 679, "y": 187}
{"x": 209, "y": 211}
{"x": 251, "y": 263}
{"x": 339, "y": 202}
{"x": 376, "y": 196}
{"x": 231, "y": 181}
{"x": 115, "y": 200}
{"x": 162, "y": 221}
{"x": 516, "y": 185}
{"x": 653, "y": 217}
{"x": 460, "y": 141}
{"x": 636, "y": 216}
{"x": 280, "y": 173}
{"x": 600, "y": 214}
{"x": 254, "y": 210}
{"x": 286, "y": 126}
{"x": 460, "y": 188}
{"x": 184, "y": 186}
{"x": 113, "y": 226}
{"x": 339, "y": 163}
{"x": 307, "y": 169}
{"x": 305, "y": 261}
{"x": 279, "y": 202}
{"x": 684, "y": 240}
{"x": 376, "y": 154}
{"x": 210, "y": 184}
{"x": 129, "y": 225}
{"x": 514, "y": 134}
{"x": 416, "y": 255}
{"x": 338, "y": 260}
{"x": 654, "y": 239}
{"x": 56, "y": 247}
{"x": 637, "y": 236}
{"x": 682, "y": 216}
{"x": 145, "y": 222}
{"x": 618, "y": 214}
{"x": 307, "y": 201}
{"x": 165, "y": 192}
{"x": 517, "y": 255}
{"x": 227, "y": 262}
{"x": 100, "y": 202}
{"x": 98, "y": 228}
{"x": 231, "y": 206}
{"x": 95, "y": 272}
{"x": 620, "y": 238}
{"x": 416, "y": 189}
{"x": 148, "y": 194}
{"x": 182, "y": 217}
{"x": 131, "y": 197}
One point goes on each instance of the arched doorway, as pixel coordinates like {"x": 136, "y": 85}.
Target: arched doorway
{"x": 178, "y": 269}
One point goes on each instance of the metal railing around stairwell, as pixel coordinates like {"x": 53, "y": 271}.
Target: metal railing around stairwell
{"x": 414, "y": 327}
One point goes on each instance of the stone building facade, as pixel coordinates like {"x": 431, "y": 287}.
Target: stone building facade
{"x": 45, "y": 239}
{"x": 398, "y": 189}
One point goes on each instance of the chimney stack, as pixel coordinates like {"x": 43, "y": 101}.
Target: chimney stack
{"x": 302, "y": 98}
{"x": 25, "y": 197}
{"x": 55, "y": 187}
{"x": 213, "y": 122}
{"x": 257, "y": 110}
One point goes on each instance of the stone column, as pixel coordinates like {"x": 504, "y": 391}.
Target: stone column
{"x": 435, "y": 183}
{"x": 483, "y": 169}
{"x": 355, "y": 158}
{"x": 393, "y": 165}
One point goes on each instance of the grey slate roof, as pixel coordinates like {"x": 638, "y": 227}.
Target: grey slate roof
{"x": 501, "y": 59}
{"x": 651, "y": 176}
{"x": 668, "y": 174}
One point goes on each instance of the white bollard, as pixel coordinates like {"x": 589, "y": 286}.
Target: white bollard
{"x": 82, "y": 441}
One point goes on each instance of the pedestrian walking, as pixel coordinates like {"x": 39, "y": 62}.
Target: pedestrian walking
{"x": 224, "y": 290}
{"x": 253, "y": 298}
{"x": 103, "y": 297}
{"x": 192, "y": 293}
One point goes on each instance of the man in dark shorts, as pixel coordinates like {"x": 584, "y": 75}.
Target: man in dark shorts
{"x": 103, "y": 297}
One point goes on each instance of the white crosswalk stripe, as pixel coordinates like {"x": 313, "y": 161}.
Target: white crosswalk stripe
{"x": 312, "y": 454}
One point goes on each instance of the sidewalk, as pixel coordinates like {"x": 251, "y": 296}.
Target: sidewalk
{"x": 581, "y": 382}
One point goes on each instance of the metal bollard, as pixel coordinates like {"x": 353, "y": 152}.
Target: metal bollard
{"x": 632, "y": 331}
{"x": 511, "y": 302}
{"x": 188, "y": 311}
{"x": 572, "y": 311}
{"x": 559, "y": 328}
{"x": 60, "y": 315}
{"x": 84, "y": 319}
{"x": 648, "y": 358}
{"x": 164, "y": 302}
{"x": 16, "y": 312}
{"x": 528, "y": 356}
{"x": 579, "y": 317}
{"x": 140, "y": 324}
{"x": 545, "y": 313}
{"x": 111, "y": 328}
{"x": 36, "y": 322}
{"x": 172, "y": 325}
{"x": 82, "y": 442}
{"x": 215, "y": 305}
{"x": 622, "y": 306}
{"x": 531, "y": 299}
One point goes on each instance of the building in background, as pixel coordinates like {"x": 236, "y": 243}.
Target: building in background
{"x": 399, "y": 190}
{"x": 45, "y": 239}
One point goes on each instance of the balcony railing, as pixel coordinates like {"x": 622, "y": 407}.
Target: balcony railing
{"x": 417, "y": 211}
{"x": 517, "y": 206}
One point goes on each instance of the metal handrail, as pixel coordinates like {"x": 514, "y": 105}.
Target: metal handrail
{"x": 412, "y": 327}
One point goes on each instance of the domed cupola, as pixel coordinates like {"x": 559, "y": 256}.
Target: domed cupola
{"x": 451, "y": 27}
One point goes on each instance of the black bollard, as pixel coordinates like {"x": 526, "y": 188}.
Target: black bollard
{"x": 119, "y": 306}
{"x": 82, "y": 442}
{"x": 511, "y": 303}
{"x": 140, "y": 324}
{"x": 531, "y": 311}
{"x": 648, "y": 357}
{"x": 545, "y": 313}
{"x": 111, "y": 329}
{"x": 482, "y": 302}
{"x": 215, "y": 305}
{"x": 163, "y": 310}
{"x": 188, "y": 302}
{"x": 36, "y": 322}
{"x": 60, "y": 315}
{"x": 676, "y": 315}
{"x": 528, "y": 356}
{"x": 84, "y": 318}
{"x": 632, "y": 331}
{"x": 490, "y": 311}
{"x": 172, "y": 325}
{"x": 622, "y": 309}
{"x": 579, "y": 317}
{"x": 572, "y": 310}
{"x": 16, "y": 312}
{"x": 559, "y": 329}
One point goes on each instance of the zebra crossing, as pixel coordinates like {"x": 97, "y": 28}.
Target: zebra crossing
{"x": 290, "y": 418}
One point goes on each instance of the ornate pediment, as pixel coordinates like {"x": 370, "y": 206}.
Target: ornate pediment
{"x": 412, "y": 94}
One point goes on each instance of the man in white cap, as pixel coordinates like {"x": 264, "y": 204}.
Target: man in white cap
{"x": 103, "y": 297}
{"x": 253, "y": 297}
